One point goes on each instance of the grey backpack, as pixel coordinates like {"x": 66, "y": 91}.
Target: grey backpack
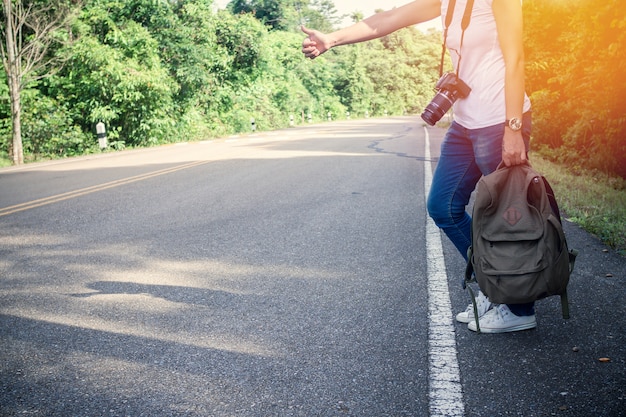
{"x": 519, "y": 253}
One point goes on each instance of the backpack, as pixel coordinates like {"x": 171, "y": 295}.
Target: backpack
{"x": 519, "y": 253}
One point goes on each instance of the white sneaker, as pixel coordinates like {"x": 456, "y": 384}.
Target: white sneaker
{"x": 501, "y": 320}
{"x": 482, "y": 305}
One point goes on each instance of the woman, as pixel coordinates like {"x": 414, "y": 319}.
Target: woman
{"x": 491, "y": 125}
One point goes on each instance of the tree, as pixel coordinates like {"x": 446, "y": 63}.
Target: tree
{"x": 575, "y": 60}
{"x": 319, "y": 14}
{"x": 29, "y": 29}
{"x": 116, "y": 76}
{"x": 270, "y": 12}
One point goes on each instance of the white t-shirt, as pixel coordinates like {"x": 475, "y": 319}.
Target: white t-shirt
{"x": 481, "y": 67}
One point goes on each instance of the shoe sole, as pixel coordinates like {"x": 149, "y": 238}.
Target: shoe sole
{"x": 524, "y": 326}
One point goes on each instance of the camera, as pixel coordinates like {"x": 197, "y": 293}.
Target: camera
{"x": 449, "y": 88}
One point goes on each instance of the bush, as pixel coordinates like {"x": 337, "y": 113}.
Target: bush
{"x": 49, "y": 131}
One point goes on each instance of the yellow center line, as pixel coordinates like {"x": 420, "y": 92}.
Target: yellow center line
{"x": 94, "y": 188}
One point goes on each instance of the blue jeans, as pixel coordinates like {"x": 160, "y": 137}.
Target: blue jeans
{"x": 466, "y": 155}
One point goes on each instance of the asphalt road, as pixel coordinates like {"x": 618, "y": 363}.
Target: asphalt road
{"x": 275, "y": 274}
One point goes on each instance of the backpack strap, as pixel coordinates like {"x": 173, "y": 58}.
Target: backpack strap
{"x": 469, "y": 269}
{"x": 469, "y": 278}
{"x": 573, "y": 253}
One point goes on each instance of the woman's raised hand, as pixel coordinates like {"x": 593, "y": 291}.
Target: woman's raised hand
{"x": 315, "y": 44}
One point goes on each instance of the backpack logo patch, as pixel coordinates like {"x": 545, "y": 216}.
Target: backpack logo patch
{"x": 512, "y": 216}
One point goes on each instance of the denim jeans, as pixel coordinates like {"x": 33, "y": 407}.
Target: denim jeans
{"x": 466, "y": 155}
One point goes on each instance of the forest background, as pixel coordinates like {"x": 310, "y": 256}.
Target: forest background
{"x": 163, "y": 71}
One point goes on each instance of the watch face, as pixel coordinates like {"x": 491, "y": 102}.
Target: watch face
{"x": 515, "y": 123}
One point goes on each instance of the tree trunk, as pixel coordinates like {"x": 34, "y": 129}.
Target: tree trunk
{"x": 14, "y": 78}
{"x": 17, "y": 151}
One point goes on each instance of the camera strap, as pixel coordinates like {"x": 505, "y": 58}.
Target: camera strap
{"x": 467, "y": 15}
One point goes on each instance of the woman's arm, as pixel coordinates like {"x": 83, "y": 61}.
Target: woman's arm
{"x": 375, "y": 26}
{"x": 509, "y": 21}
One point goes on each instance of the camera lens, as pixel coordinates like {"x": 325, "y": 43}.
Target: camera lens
{"x": 439, "y": 105}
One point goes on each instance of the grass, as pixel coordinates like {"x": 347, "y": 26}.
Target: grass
{"x": 4, "y": 160}
{"x": 593, "y": 200}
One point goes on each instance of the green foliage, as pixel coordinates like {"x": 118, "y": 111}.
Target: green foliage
{"x": 242, "y": 40}
{"x": 404, "y": 68}
{"x": 576, "y": 58}
{"x": 49, "y": 130}
{"x": 187, "y": 47}
{"x": 161, "y": 71}
{"x": 283, "y": 73}
{"x": 115, "y": 76}
{"x": 158, "y": 71}
{"x": 288, "y": 15}
{"x": 270, "y": 12}
{"x": 321, "y": 15}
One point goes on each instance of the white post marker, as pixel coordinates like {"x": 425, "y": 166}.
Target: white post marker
{"x": 445, "y": 392}
{"x": 102, "y": 135}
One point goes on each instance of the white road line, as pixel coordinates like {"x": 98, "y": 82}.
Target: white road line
{"x": 445, "y": 391}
